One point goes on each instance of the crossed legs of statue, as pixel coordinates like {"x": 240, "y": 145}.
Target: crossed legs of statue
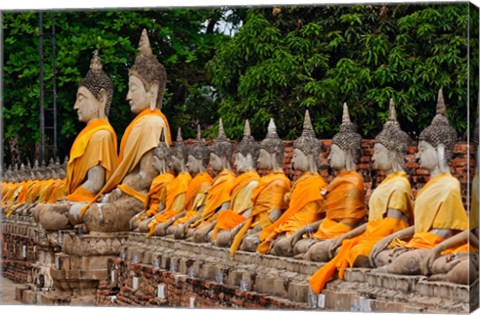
{"x": 52, "y": 216}
{"x": 250, "y": 241}
{"x": 400, "y": 261}
{"x": 459, "y": 268}
{"x": 204, "y": 234}
{"x": 113, "y": 215}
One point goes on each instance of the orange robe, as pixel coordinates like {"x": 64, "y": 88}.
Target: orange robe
{"x": 218, "y": 194}
{"x": 306, "y": 200}
{"x": 141, "y": 136}
{"x": 158, "y": 193}
{"x": 175, "y": 200}
{"x": 240, "y": 195}
{"x": 95, "y": 145}
{"x": 345, "y": 200}
{"x": 196, "y": 196}
{"x": 393, "y": 193}
{"x": 268, "y": 195}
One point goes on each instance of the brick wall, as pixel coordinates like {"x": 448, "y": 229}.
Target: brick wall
{"x": 15, "y": 266}
{"x": 179, "y": 290}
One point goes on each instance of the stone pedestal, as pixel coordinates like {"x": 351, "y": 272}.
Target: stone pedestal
{"x": 81, "y": 265}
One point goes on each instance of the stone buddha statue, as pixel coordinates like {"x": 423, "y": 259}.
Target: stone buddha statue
{"x": 196, "y": 194}
{"x": 267, "y": 198}
{"x": 93, "y": 155}
{"x": 127, "y": 189}
{"x": 157, "y": 194}
{"x": 218, "y": 197}
{"x": 245, "y": 154}
{"x": 456, "y": 259}
{"x": 344, "y": 204}
{"x": 177, "y": 188}
{"x": 390, "y": 206}
{"x": 305, "y": 196}
{"x": 438, "y": 211}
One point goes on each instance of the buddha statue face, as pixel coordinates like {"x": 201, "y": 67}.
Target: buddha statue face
{"x": 300, "y": 161}
{"x": 194, "y": 165}
{"x": 88, "y": 107}
{"x": 138, "y": 97}
{"x": 243, "y": 163}
{"x": 159, "y": 163}
{"x": 427, "y": 156}
{"x": 381, "y": 159}
{"x": 216, "y": 162}
{"x": 337, "y": 157}
{"x": 176, "y": 163}
{"x": 264, "y": 160}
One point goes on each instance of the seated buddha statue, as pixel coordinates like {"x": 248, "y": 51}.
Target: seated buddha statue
{"x": 390, "y": 206}
{"x": 196, "y": 194}
{"x": 267, "y": 198}
{"x": 344, "y": 204}
{"x": 177, "y": 188}
{"x": 438, "y": 211}
{"x": 93, "y": 155}
{"x": 305, "y": 196}
{"x": 126, "y": 192}
{"x": 245, "y": 154}
{"x": 456, "y": 258}
{"x": 218, "y": 196}
{"x": 157, "y": 194}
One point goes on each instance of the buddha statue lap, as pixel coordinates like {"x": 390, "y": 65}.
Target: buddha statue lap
{"x": 126, "y": 192}
{"x": 390, "y": 206}
{"x": 93, "y": 156}
{"x": 438, "y": 211}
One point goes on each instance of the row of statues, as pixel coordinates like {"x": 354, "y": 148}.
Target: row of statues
{"x": 162, "y": 190}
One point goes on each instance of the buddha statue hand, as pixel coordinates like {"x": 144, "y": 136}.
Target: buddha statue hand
{"x": 136, "y": 219}
{"x": 378, "y": 248}
{"x": 335, "y": 244}
{"x": 426, "y": 264}
{"x": 74, "y": 213}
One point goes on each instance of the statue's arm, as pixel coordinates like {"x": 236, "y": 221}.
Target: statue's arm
{"x": 299, "y": 233}
{"x": 142, "y": 178}
{"x": 336, "y": 243}
{"x": 95, "y": 179}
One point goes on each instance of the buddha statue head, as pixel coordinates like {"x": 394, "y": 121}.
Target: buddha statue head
{"x": 179, "y": 154}
{"x": 391, "y": 144}
{"x": 94, "y": 95}
{"x": 161, "y": 155}
{"x": 221, "y": 150}
{"x": 346, "y": 144}
{"x": 306, "y": 149}
{"x": 246, "y": 152}
{"x": 147, "y": 79}
{"x": 271, "y": 151}
{"x": 198, "y": 155}
{"x": 435, "y": 143}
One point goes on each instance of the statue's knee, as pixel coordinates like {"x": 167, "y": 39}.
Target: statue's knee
{"x": 223, "y": 239}
{"x": 319, "y": 252}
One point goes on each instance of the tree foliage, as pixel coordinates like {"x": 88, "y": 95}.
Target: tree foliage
{"x": 317, "y": 58}
{"x": 279, "y": 63}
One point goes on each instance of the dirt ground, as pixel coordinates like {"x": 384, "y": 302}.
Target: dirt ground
{"x": 7, "y": 292}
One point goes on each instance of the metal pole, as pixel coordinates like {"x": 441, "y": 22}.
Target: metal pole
{"x": 42, "y": 115}
{"x": 54, "y": 79}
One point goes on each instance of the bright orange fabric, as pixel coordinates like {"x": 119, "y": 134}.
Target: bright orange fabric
{"x": 158, "y": 193}
{"x": 141, "y": 136}
{"x": 305, "y": 195}
{"x": 237, "y": 206}
{"x": 218, "y": 194}
{"x": 89, "y": 149}
{"x": 201, "y": 182}
{"x": 132, "y": 192}
{"x": 266, "y": 196}
{"x": 227, "y": 220}
{"x": 176, "y": 187}
{"x": 354, "y": 247}
{"x": 81, "y": 195}
{"x": 57, "y": 192}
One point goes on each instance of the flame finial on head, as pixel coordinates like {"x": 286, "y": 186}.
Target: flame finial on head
{"x": 144, "y": 44}
{"x": 392, "y": 113}
{"x": 246, "y": 129}
{"x": 95, "y": 63}
{"x": 441, "y": 109}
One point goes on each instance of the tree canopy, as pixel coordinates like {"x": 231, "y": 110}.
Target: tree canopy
{"x": 279, "y": 62}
